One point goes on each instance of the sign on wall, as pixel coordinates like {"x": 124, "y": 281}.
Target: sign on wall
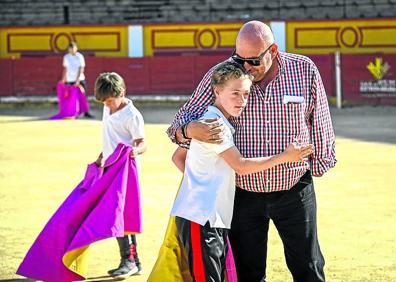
{"x": 382, "y": 84}
{"x": 369, "y": 78}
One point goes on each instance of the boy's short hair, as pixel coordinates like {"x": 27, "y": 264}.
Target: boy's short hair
{"x": 72, "y": 44}
{"x": 226, "y": 71}
{"x": 109, "y": 84}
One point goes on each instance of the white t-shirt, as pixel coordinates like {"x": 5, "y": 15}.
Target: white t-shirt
{"x": 123, "y": 126}
{"x": 208, "y": 188}
{"x": 72, "y": 63}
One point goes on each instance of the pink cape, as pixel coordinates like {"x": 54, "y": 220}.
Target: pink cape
{"x": 106, "y": 203}
{"x": 72, "y": 101}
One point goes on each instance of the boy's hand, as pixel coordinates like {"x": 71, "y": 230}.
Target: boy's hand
{"x": 296, "y": 152}
{"x": 133, "y": 154}
{"x": 138, "y": 148}
{"x": 208, "y": 130}
{"x": 98, "y": 161}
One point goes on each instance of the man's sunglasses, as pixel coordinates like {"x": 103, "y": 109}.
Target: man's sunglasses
{"x": 251, "y": 61}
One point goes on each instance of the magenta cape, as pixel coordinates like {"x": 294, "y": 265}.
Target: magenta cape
{"x": 104, "y": 204}
{"x": 72, "y": 102}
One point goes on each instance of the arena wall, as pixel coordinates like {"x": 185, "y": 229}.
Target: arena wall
{"x": 169, "y": 59}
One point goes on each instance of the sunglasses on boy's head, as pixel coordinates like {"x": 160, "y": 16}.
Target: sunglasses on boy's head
{"x": 251, "y": 61}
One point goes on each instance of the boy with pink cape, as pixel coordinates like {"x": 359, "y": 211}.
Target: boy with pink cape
{"x": 72, "y": 88}
{"x": 105, "y": 204}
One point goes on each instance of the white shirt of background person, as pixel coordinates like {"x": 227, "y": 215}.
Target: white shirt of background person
{"x": 72, "y": 63}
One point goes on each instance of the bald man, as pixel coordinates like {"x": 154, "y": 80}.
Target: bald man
{"x": 287, "y": 103}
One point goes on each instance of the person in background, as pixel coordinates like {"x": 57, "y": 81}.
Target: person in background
{"x": 73, "y": 71}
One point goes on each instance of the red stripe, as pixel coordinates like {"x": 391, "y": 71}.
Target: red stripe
{"x": 198, "y": 267}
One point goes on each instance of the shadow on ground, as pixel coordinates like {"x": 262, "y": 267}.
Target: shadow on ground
{"x": 18, "y": 120}
{"x": 365, "y": 123}
{"x": 154, "y": 114}
{"x": 17, "y": 280}
{"x": 90, "y": 279}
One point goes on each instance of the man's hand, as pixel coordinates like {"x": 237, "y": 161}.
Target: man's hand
{"x": 208, "y": 130}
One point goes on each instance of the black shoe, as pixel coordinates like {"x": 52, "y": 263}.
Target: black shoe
{"x": 88, "y": 115}
{"x": 139, "y": 266}
{"x": 125, "y": 269}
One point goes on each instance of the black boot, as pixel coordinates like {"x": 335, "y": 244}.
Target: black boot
{"x": 88, "y": 115}
{"x": 135, "y": 254}
{"x": 127, "y": 265}
{"x": 125, "y": 269}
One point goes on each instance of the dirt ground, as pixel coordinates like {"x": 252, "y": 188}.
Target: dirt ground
{"x": 356, "y": 199}
{"x": 368, "y": 123}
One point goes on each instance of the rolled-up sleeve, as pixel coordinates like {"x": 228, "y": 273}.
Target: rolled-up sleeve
{"x": 322, "y": 133}
{"x": 195, "y": 107}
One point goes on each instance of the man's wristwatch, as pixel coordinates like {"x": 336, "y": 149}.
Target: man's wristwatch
{"x": 184, "y": 139}
{"x": 184, "y": 131}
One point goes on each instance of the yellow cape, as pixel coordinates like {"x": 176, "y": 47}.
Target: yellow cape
{"x": 172, "y": 264}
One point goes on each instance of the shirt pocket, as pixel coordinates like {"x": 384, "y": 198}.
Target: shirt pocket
{"x": 292, "y": 118}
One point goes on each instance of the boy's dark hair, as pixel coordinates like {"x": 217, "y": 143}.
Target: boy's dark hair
{"x": 72, "y": 44}
{"x": 109, "y": 84}
{"x": 226, "y": 71}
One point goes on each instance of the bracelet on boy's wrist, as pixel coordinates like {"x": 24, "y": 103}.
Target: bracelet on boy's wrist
{"x": 184, "y": 131}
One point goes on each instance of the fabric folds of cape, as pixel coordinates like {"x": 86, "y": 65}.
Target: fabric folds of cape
{"x": 106, "y": 203}
{"x": 72, "y": 102}
{"x": 172, "y": 264}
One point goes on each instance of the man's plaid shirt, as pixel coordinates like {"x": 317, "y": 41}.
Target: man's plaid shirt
{"x": 268, "y": 125}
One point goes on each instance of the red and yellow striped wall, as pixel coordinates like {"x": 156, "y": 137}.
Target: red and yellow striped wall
{"x": 165, "y": 39}
{"x": 304, "y": 37}
{"x": 107, "y": 41}
{"x": 349, "y": 36}
{"x": 141, "y": 53}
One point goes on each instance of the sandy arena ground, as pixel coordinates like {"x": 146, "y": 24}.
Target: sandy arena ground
{"x": 41, "y": 161}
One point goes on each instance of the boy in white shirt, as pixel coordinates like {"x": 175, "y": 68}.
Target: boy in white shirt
{"x": 73, "y": 70}
{"x": 122, "y": 123}
{"x": 204, "y": 204}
